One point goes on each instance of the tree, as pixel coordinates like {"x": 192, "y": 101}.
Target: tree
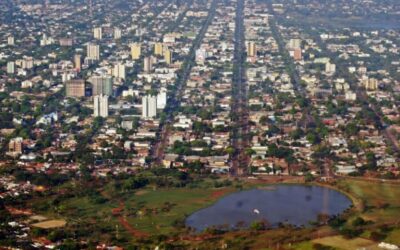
{"x": 313, "y": 138}
{"x": 259, "y": 225}
{"x": 358, "y": 222}
{"x": 309, "y": 177}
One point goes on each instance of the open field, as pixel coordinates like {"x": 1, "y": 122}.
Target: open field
{"x": 338, "y": 243}
{"x": 150, "y": 211}
{"x": 381, "y": 206}
{"x": 50, "y": 224}
{"x": 341, "y": 243}
{"x": 381, "y": 200}
{"x": 394, "y": 237}
{"x": 156, "y": 210}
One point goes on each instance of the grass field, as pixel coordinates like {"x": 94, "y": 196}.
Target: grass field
{"x": 382, "y": 205}
{"x": 341, "y": 243}
{"x": 394, "y": 237}
{"x": 154, "y": 211}
{"x": 158, "y": 209}
{"x": 380, "y": 199}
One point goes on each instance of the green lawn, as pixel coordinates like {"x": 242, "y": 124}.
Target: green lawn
{"x": 394, "y": 237}
{"x": 152, "y": 218}
{"x": 340, "y": 243}
{"x": 380, "y": 199}
{"x": 373, "y": 193}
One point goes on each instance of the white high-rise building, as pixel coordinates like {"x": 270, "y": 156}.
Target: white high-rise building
{"x": 98, "y": 33}
{"x": 330, "y": 68}
{"x": 27, "y": 63}
{"x": 10, "y": 68}
{"x": 149, "y": 106}
{"x": 100, "y": 106}
{"x": 117, "y": 33}
{"x": 10, "y": 40}
{"x": 201, "y": 55}
{"x": 46, "y": 40}
{"x": 101, "y": 85}
{"x": 93, "y": 51}
{"x": 162, "y": 99}
{"x": 119, "y": 71}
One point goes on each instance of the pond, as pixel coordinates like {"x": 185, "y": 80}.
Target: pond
{"x": 289, "y": 204}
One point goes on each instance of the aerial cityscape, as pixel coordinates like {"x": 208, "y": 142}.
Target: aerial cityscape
{"x": 200, "y": 124}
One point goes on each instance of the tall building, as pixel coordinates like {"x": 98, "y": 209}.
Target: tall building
{"x": 10, "y": 68}
{"x": 370, "y": 83}
{"x": 136, "y": 51}
{"x": 330, "y": 68}
{"x": 158, "y": 49}
{"x": 100, "y": 106}
{"x": 201, "y": 55}
{"x": 162, "y": 99}
{"x": 251, "y": 49}
{"x": 149, "y": 106}
{"x": 10, "y": 40}
{"x": 78, "y": 62}
{"x": 93, "y": 51}
{"x": 75, "y": 88}
{"x": 15, "y": 146}
{"x": 119, "y": 71}
{"x": 117, "y": 33}
{"x": 98, "y": 33}
{"x": 27, "y": 63}
{"x": 101, "y": 85}
{"x": 168, "y": 56}
{"x": 147, "y": 64}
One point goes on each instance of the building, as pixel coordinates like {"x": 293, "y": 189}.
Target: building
{"x": 93, "y": 51}
{"x": 78, "y": 62}
{"x": 294, "y": 43}
{"x": 297, "y": 55}
{"x": 162, "y": 99}
{"x": 27, "y": 63}
{"x": 15, "y": 146}
{"x": 98, "y": 33}
{"x": 10, "y": 40}
{"x": 75, "y": 88}
{"x": 251, "y": 49}
{"x": 117, "y": 33}
{"x": 158, "y": 49}
{"x": 10, "y": 68}
{"x": 46, "y": 40}
{"x": 147, "y": 64}
{"x": 136, "y": 51}
{"x": 370, "y": 83}
{"x": 67, "y": 42}
{"x": 149, "y": 106}
{"x": 350, "y": 96}
{"x": 101, "y": 85}
{"x": 100, "y": 106}
{"x": 168, "y": 56}
{"x": 119, "y": 71}
{"x": 330, "y": 68}
{"x": 201, "y": 55}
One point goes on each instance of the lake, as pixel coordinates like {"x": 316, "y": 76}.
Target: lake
{"x": 292, "y": 204}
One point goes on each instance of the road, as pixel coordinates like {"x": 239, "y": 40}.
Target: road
{"x": 239, "y": 112}
{"x": 173, "y": 103}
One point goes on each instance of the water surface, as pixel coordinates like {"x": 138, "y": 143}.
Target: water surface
{"x": 292, "y": 204}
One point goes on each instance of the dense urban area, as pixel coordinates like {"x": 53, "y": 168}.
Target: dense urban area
{"x": 120, "y": 118}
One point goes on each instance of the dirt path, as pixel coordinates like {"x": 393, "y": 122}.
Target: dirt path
{"x": 123, "y": 221}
